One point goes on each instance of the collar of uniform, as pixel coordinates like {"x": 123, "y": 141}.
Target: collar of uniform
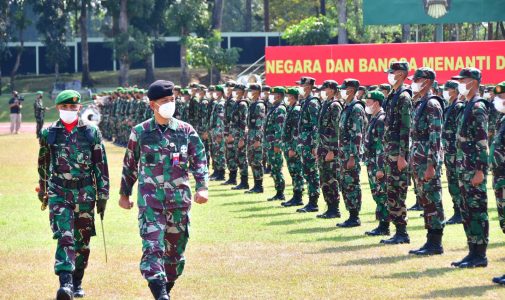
{"x": 173, "y": 124}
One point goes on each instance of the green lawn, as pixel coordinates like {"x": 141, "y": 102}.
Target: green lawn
{"x": 241, "y": 247}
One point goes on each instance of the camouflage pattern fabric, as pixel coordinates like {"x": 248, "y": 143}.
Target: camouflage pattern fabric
{"x": 217, "y": 133}
{"x": 238, "y": 130}
{"x": 289, "y": 142}
{"x": 273, "y": 139}
{"x": 256, "y": 123}
{"x": 497, "y": 161}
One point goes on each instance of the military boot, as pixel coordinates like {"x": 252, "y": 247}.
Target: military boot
{"x": 66, "y": 290}
{"x": 159, "y": 290}
{"x": 468, "y": 257}
{"x": 353, "y": 220}
{"x": 77, "y": 279}
{"x": 456, "y": 218}
{"x": 331, "y": 213}
{"x": 478, "y": 259}
{"x": 433, "y": 245}
{"x": 296, "y": 200}
{"x": 219, "y": 175}
{"x": 416, "y": 207}
{"x": 232, "y": 180}
{"x": 382, "y": 229}
{"x": 169, "y": 286}
{"x": 279, "y": 195}
{"x": 257, "y": 188}
{"x": 311, "y": 206}
{"x": 401, "y": 236}
{"x": 244, "y": 184}
{"x": 499, "y": 279}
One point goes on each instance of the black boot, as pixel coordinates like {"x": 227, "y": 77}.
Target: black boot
{"x": 433, "y": 245}
{"x": 244, "y": 184}
{"x": 456, "y": 219}
{"x": 332, "y": 212}
{"x": 311, "y": 206}
{"x": 382, "y": 229}
{"x": 465, "y": 259}
{"x": 296, "y": 200}
{"x": 267, "y": 169}
{"x": 401, "y": 236}
{"x": 219, "y": 176}
{"x": 257, "y": 188}
{"x": 353, "y": 220}
{"x": 499, "y": 279}
{"x": 77, "y": 279}
{"x": 159, "y": 290}
{"x": 416, "y": 207}
{"x": 479, "y": 258}
{"x": 278, "y": 196}
{"x": 232, "y": 180}
{"x": 170, "y": 285}
{"x": 66, "y": 290}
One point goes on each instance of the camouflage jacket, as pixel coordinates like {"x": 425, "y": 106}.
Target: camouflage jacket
{"x": 39, "y": 110}
{"x": 160, "y": 160}
{"x": 494, "y": 117}
{"x": 397, "y": 123}
{"x": 229, "y": 106}
{"x": 290, "y": 128}
{"x": 426, "y": 132}
{"x": 193, "y": 114}
{"x": 471, "y": 137}
{"x": 497, "y": 155}
{"x": 203, "y": 116}
{"x": 238, "y": 122}
{"x": 217, "y": 119}
{"x": 329, "y": 119}
{"x": 451, "y": 117}
{"x": 373, "y": 142}
{"x": 73, "y": 158}
{"x": 352, "y": 127}
{"x": 212, "y": 104}
{"x": 256, "y": 121}
{"x": 273, "y": 126}
{"x": 308, "y": 133}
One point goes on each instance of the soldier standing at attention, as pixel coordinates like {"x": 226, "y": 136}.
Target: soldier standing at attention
{"x": 472, "y": 166}
{"x": 160, "y": 152}
{"x": 256, "y": 124}
{"x": 193, "y": 105}
{"x": 39, "y": 111}
{"x": 217, "y": 133}
{"x": 396, "y": 148}
{"x": 273, "y": 140}
{"x": 237, "y": 139}
{"x": 451, "y": 117}
{"x": 328, "y": 147}
{"x": 268, "y": 98}
{"x": 203, "y": 120}
{"x": 352, "y": 127}
{"x": 290, "y": 144}
{"x": 230, "y": 151}
{"x": 73, "y": 178}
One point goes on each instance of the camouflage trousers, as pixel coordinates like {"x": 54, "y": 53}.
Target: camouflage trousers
{"x": 207, "y": 150}
{"x": 231, "y": 156}
{"x": 73, "y": 225}
{"x": 218, "y": 154}
{"x": 164, "y": 234}
{"x": 310, "y": 171}
{"x": 452, "y": 180}
{"x": 295, "y": 171}
{"x": 396, "y": 188}
{"x": 474, "y": 208}
{"x": 499, "y": 192}
{"x": 241, "y": 158}
{"x": 275, "y": 160}
{"x": 351, "y": 187}
{"x": 430, "y": 196}
{"x": 255, "y": 160}
{"x": 329, "y": 176}
{"x": 40, "y": 125}
{"x": 378, "y": 189}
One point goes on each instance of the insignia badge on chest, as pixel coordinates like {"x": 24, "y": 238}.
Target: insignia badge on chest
{"x": 184, "y": 149}
{"x": 175, "y": 159}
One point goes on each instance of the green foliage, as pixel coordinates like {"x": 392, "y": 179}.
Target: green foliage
{"x": 310, "y": 31}
{"x": 286, "y": 13}
{"x": 207, "y": 53}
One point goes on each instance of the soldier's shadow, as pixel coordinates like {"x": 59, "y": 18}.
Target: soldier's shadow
{"x": 461, "y": 292}
{"x": 435, "y": 272}
{"x": 252, "y": 216}
{"x": 288, "y": 222}
{"x": 379, "y": 260}
{"x": 239, "y": 202}
{"x": 349, "y": 248}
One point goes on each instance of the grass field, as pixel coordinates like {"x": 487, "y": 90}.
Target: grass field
{"x": 241, "y": 247}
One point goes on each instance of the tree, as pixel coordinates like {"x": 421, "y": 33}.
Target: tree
{"x": 342, "y": 21}
{"x": 19, "y": 23}
{"x": 266, "y": 15}
{"x": 4, "y": 22}
{"x": 248, "y": 15}
{"x": 310, "y": 31}
{"x": 83, "y": 26}
{"x": 123, "y": 43}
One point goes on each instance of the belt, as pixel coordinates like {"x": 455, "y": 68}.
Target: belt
{"x": 76, "y": 183}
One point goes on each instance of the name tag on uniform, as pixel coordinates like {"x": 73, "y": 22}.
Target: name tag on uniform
{"x": 175, "y": 159}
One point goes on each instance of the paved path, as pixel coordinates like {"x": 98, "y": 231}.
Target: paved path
{"x": 5, "y": 128}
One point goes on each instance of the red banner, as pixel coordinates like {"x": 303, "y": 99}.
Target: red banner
{"x": 367, "y": 62}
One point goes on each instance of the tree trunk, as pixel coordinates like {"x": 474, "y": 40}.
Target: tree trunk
{"x": 322, "y": 7}
{"x": 217, "y": 15}
{"x": 149, "y": 76}
{"x": 266, "y": 15}
{"x": 19, "y": 53}
{"x": 1, "y": 85}
{"x": 502, "y": 28}
{"x": 405, "y": 33}
{"x": 56, "y": 72}
{"x": 83, "y": 22}
{"x": 342, "y": 21}
{"x": 184, "y": 61}
{"x": 490, "y": 30}
{"x": 124, "y": 64}
{"x": 248, "y": 15}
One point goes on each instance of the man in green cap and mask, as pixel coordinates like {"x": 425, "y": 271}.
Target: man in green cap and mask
{"x": 73, "y": 178}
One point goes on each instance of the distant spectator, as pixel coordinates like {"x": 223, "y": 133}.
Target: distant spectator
{"x": 15, "y": 105}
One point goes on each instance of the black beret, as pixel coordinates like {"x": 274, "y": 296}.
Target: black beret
{"x": 160, "y": 89}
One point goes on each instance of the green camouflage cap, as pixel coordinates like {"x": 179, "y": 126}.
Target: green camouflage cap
{"x": 266, "y": 88}
{"x": 239, "y": 86}
{"x": 398, "y": 66}
{"x": 185, "y": 92}
{"x": 330, "y": 84}
{"x": 230, "y": 83}
{"x": 499, "y": 88}
{"x": 68, "y": 97}
{"x": 350, "y": 82}
{"x": 293, "y": 91}
{"x": 40, "y": 93}
{"x": 194, "y": 85}
{"x": 278, "y": 90}
{"x": 472, "y": 73}
{"x": 489, "y": 88}
{"x": 385, "y": 86}
{"x": 375, "y": 95}
{"x": 177, "y": 88}
{"x": 362, "y": 88}
{"x": 211, "y": 88}
{"x": 423, "y": 72}
{"x": 220, "y": 88}
{"x": 306, "y": 80}
{"x": 254, "y": 87}
{"x": 202, "y": 87}
{"x": 451, "y": 84}
{"x": 370, "y": 88}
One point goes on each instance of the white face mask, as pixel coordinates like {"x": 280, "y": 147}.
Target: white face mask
{"x": 487, "y": 95}
{"x": 249, "y": 95}
{"x": 368, "y": 110}
{"x": 446, "y": 95}
{"x": 234, "y": 94}
{"x": 498, "y": 104}
{"x": 271, "y": 98}
{"x": 262, "y": 95}
{"x": 214, "y": 95}
{"x": 167, "y": 110}
{"x": 391, "y": 79}
{"x": 323, "y": 95}
{"x": 416, "y": 86}
{"x": 343, "y": 93}
{"x": 462, "y": 89}
{"x": 68, "y": 116}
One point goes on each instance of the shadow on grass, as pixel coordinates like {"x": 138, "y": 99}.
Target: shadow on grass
{"x": 240, "y": 203}
{"x": 461, "y": 292}
{"x": 418, "y": 274}
{"x": 379, "y": 260}
{"x": 340, "y": 238}
{"x": 252, "y": 209}
{"x": 288, "y": 222}
{"x": 312, "y": 230}
{"x": 265, "y": 215}
{"x": 347, "y": 248}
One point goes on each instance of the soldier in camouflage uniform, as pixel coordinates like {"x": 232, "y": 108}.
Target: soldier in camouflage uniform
{"x": 374, "y": 160}
{"x": 494, "y": 114}
{"x": 231, "y": 152}
{"x": 426, "y": 159}
{"x": 471, "y": 166}
{"x": 39, "y": 111}
{"x": 268, "y": 98}
{"x": 308, "y": 135}
{"x": 179, "y": 104}
{"x": 396, "y": 146}
{"x": 212, "y": 103}
{"x": 273, "y": 140}
{"x": 328, "y": 147}
{"x": 193, "y": 105}
{"x": 217, "y": 129}
{"x": 290, "y": 144}
{"x": 352, "y": 126}
{"x": 203, "y": 120}
{"x": 73, "y": 178}
{"x": 385, "y": 89}
{"x": 451, "y": 118}
{"x": 160, "y": 152}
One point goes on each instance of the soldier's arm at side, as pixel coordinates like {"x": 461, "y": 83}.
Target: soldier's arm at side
{"x": 480, "y": 115}
{"x": 198, "y": 161}
{"x": 379, "y": 143}
{"x": 43, "y": 161}
{"x": 357, "y": 120}
{"x": 100, "y": 167}
{"x": 435, "y": 131}
{"x": 314, "y": 122}
{"x": 336, "y": 112}
{"x": 405, "y": 115}
{"x": 279, "y": 119}
{"x": 130, "y": 164}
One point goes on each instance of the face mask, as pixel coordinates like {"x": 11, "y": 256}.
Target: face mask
{"x": 391, "y": 79}
{"x": 498, "y": 104}
{"x": 343, "y": 93}
{"x": 487, "y": 95}
{"x": 368, "y": 110}
{"x": 68, "y": 116}
{"x": 214, "y": 95}
{"x": 271, "y": 98}
{"x": 323, "y": 94}
{"x": 416, "y": 86}
{"x": 463, "y": 90}
{"x": 446, "y": 95}
{"x": 167, "y": 110}
{"x": 234, "y": 94}
{"x": 249, "y": 95}
{"x": 262, "y": 95}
